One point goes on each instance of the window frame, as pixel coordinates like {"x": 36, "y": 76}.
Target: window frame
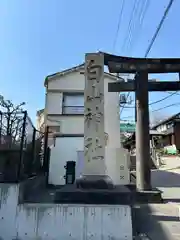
{"x": 66, "y": 94}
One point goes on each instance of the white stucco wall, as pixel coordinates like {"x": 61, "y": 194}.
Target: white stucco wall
{"x": 111, "y": 115}
{"x": 75, "y": 82}
{"x": 54, "y": 103}
{"x": 75, "y": 124}
{"x": 68, "y": 124}
{"x": 69, "y": 82}
{"x": 65, "y": 150}
{"x": 60, "y": 221}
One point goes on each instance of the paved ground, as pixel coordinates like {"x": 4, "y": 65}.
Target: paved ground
{"x": 163, "y": 220}
{"x": 167, "y": 179}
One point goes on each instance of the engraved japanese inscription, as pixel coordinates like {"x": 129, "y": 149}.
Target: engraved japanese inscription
{"x": 94, "y": 136}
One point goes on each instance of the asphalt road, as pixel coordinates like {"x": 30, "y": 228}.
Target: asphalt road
{"x": 162, "y": 221}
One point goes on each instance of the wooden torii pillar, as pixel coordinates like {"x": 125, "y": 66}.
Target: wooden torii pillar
{"x": 141, "y": 86}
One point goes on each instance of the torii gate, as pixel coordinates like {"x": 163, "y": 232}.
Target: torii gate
{"x": 95, "y": 162}
{"x": 141, "y": 67}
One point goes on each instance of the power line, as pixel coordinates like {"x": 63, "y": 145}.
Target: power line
{"x": 158, "y": 101}
{"x": 163, "y": 99}
{"x": 171, "y": 105}
{"x": 159, "y": 109}
{"x": 136, "y": 3}
{"x": 156, "y": 34}
{"x": 159, "y": 27}
{"x": 130, "y": 23}
{"x": 135, "y": 32}
{"x": 176, "y": 93}
{"x": 119, "y": 23}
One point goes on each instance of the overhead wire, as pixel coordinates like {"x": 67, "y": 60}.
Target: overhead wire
{"x": 159, "y": 27}
{"x": 158, "y": 101}
{"x": 156, "y": 110}
{"x": 119, "y": 24}
{"x": 135, "y": 33}
{"x": 130, "y": 24}
{"x": 132, "y": 15}
{"x": 171, "y": 105}
{"x": 152, "y": 42}
{"x": 162, "y": 99}
{"x": 155, "y": 36}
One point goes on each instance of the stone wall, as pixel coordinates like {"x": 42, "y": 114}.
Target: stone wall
{"x": 60, "y": 221}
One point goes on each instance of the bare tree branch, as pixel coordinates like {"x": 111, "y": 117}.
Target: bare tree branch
{"x": 11, "y": 121}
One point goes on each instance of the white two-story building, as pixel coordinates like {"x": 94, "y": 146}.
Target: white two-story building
{"x": 64, "y": 114}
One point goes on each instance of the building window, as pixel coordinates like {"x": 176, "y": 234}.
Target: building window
{"x": 73, "y": 103}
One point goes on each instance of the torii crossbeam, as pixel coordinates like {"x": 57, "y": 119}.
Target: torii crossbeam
{"x": 141, "y": 67}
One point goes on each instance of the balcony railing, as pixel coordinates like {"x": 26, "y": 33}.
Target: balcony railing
{"x": 79, "y": 110}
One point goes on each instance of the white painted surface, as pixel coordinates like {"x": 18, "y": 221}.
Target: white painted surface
{"x": 60, "y": 221}
{"x": 68, "y": 124}
{"x": 75, "y": 124}
{"x": 117, "y": 168}
{"x": 70, "y": 82}
{"x": 79, "y": 164}
{"x": 75, "y": 82}
{"x": 111, "y": 115}
{"x": 65, "y": 150}
{"x": 117, "y": 162}
{"x": 54, "y": 103}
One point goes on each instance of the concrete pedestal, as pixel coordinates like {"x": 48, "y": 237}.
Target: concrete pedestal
{"x": 71, "y": 194}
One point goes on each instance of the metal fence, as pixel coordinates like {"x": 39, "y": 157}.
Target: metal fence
{"x": 22, "y": 150}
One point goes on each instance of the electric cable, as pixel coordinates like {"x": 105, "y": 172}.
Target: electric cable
{"x": 158, "y": 101}
{"x": 155, "y": 35}
{"x": 136, "y": 2}
{"x": 159, "y": 27}
{"x": 130, "y": 24}
{"x": 171, "y": 105}
{"x": 136, "y": 31}
{"x": 159, "y": 109}
{"x": 119, "y": 23}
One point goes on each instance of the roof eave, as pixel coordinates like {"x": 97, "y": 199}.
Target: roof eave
{"x": 66, "y": 71}
{"x": 165, "y": 121}
{"x": 77, "y": 68}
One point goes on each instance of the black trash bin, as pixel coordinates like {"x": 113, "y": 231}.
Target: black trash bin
{"x": 70, "y": 172}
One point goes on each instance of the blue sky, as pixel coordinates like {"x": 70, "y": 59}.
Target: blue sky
{"x": 39, "y": 37}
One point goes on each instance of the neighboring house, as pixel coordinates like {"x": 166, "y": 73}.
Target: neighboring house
{"x": 64, "y": 114}
{"x": 127, "y": 129}
{"x": 171, "y": 128}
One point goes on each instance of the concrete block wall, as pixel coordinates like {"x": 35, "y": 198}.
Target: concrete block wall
{"x": 60, "y": 221}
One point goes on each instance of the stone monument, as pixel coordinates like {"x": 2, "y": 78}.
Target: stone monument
{"x": 101, "y": 167}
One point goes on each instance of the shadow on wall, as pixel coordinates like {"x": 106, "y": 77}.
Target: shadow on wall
{"x": 162, "y": 178}
{"x": 133, "y": 163}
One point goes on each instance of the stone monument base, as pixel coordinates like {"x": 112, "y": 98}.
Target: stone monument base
{"x": 70, "y": 194}
{"x": 94, "y": 182}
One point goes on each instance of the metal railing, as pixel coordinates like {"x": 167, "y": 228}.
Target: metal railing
{"x": 73, "y": 110}
{"x": 21, "y": 147}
